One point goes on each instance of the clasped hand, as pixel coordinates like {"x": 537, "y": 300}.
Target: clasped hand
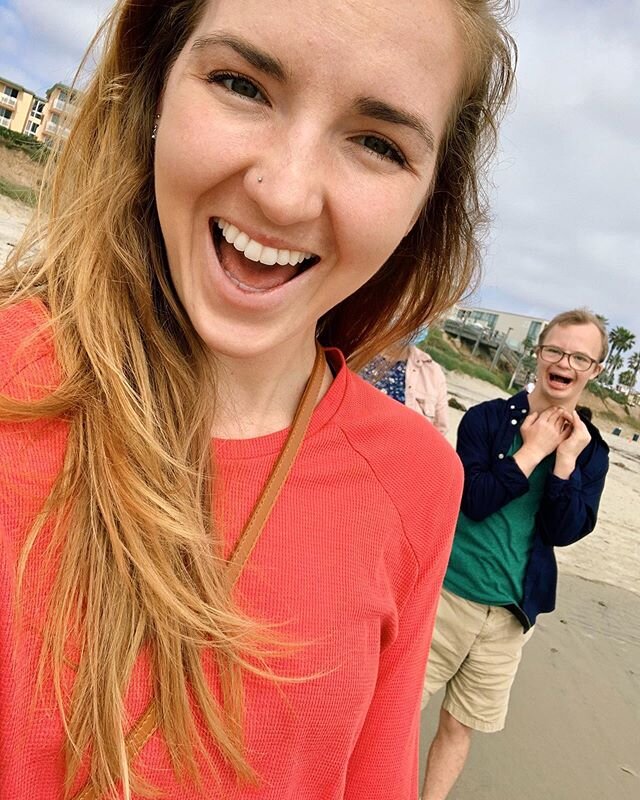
{"x": 555, "y": 429}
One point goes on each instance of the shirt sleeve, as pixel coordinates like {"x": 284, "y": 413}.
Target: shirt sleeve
{"x": 569, "y": 508}
{"x": 384, "y": 762}
{"x": 491, "y": 480}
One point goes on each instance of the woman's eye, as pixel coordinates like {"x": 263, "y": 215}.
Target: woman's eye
{"x": 383, "y": 149}
{"x": 237, "y": 84}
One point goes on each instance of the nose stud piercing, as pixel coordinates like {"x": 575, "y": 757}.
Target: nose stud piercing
{"x": 260, "y": 179}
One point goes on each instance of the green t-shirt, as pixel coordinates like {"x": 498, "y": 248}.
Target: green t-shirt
{"x": 489, "y": 558}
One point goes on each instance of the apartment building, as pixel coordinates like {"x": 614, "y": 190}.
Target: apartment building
{"x": 517, "y": 328}
{"x": 20, "y": 110}
{"x": 46, "y": 119}
{"x": 57, "y": 113}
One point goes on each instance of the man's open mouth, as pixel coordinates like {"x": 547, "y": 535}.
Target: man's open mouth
{"x": 560, "y": 380}
{"x": 252, "y": 266}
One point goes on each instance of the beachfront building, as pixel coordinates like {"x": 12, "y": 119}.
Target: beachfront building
{"x": 515, "y": 328}
{"x": 46, "y": 119}
{"x": 57, "y": 113}
{"x": 20, "y": 110}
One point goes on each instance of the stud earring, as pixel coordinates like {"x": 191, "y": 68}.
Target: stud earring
{"x": 154, "y": 132}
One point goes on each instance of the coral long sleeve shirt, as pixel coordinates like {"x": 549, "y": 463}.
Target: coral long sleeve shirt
{"x": 350, "y": 564}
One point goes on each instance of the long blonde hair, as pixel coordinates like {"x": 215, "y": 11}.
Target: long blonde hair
{"x": 138, "y": 544}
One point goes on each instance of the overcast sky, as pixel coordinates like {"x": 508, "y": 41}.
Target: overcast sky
{"x": 567, "y": 196}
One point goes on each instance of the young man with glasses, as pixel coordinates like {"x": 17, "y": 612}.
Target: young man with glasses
{"x": 534, "y": 474}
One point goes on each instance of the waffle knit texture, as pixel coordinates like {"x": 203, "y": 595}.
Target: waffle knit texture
{"x": 350, "y": 565}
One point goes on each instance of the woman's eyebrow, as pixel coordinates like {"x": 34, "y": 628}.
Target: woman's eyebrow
{"x": 379, "y": 109}
{"x": 257, "y": 58}
{"x": 365, "y": 106}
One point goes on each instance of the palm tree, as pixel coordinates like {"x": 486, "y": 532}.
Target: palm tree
{"x": 626, "y": 378}
{"x": 621, "y": 339}
{"x": 633, "y": 363}
{"x": 614, "y": 362}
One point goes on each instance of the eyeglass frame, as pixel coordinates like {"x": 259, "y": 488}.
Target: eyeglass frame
{"x": 564, "y": 353}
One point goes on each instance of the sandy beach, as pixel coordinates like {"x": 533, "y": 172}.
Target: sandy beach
{"x": 573, "y": 730}
{"x": 574, "y": 726}
{"x": 14, "y": 217}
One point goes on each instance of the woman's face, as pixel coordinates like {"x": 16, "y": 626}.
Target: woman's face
{"x": 296, "y": 144}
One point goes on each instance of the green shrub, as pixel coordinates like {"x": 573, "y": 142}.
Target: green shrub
{"x": 449, "y": 358}
{"x": 22, "y": 193}
{"x": 605, "y": 393}
{"x": 18, "y": 141}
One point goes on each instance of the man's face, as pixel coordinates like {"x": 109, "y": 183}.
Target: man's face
{"x": 561, "y": 383}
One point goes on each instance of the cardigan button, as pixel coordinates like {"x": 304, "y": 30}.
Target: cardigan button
{"x": 514, "y": 421}
{"x": 512, "y": 407}
{"x": 500, "y": 456}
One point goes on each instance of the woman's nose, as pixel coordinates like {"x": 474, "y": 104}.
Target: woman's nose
{"x": 288, "y": 181}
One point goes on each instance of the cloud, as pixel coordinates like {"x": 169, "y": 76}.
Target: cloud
{"x": 44, "y": 40}
{"x": 567, "y": 202}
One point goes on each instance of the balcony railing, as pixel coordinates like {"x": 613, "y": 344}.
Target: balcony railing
{"x": 52, "y": 127}
{"x": 59, "y": 105}
{"x": 7, "y": 100}
{"x": 4, "y": 122}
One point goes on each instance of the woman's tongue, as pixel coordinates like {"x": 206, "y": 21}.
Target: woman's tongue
{"x": 252, "y": 274}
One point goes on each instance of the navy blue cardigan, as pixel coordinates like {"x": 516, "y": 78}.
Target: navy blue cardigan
{"x": 568, "y": 509}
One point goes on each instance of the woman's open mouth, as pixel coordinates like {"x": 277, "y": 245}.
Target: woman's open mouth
{"x": 250, "y": 265}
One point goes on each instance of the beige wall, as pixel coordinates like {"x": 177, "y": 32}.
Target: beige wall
{"x": 25, "y": 99}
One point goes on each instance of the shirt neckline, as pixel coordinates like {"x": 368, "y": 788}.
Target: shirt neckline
{"x": 230, "y": 449}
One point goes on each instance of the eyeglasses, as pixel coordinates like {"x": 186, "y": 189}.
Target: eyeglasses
{"x": 578, "y": 361}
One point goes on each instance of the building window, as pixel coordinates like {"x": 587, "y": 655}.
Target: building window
{"x": 60, "y": 103}
{"x": 32, "y": 128}
{"x": 534, "y": 331}
{"x": 37, "y": 109}
{"x": 9, "y": 96}
{"x": 485, "y": 318}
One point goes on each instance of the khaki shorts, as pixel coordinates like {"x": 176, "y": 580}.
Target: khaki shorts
{"x": 475, "y": 652}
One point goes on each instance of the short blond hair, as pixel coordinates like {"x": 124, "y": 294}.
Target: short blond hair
{"x": 578, "y": 316}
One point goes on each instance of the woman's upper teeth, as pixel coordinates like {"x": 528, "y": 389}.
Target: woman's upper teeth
{"x": 255, "y": 251}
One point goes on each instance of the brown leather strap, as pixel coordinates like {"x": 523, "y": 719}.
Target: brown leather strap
{"x": 147, "y": 725}
{"x": 273, "y": 487}
{"x": 138, "y": 736}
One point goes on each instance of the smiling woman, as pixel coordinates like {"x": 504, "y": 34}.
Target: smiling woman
{"x": 221, "y": 550}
